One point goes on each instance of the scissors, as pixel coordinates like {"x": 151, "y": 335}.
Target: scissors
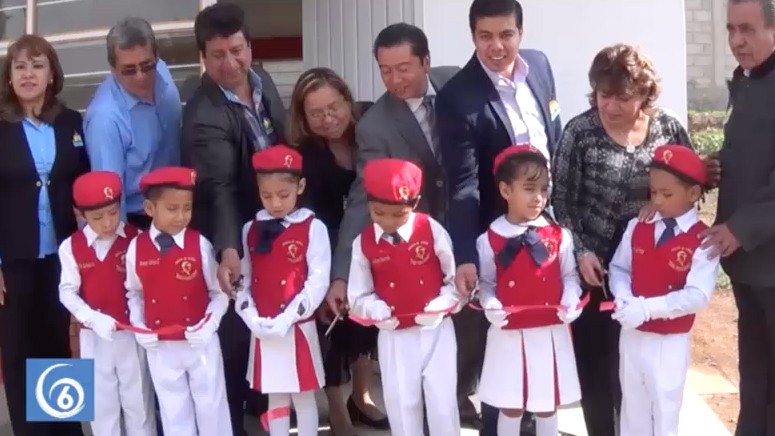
{"x": 338, "y": 318}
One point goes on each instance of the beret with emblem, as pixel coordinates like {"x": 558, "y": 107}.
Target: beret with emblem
{"x": 515, "y": 150}
{"x": 96, "y": 189}
{"x": 277, "y": 159}
{"x": 173, "y": 177}
{"x": 681, "y": 161}
{"x": 393, "y": 181}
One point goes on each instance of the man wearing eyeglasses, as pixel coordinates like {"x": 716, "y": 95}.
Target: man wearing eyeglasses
{"x": 132, "y": 124}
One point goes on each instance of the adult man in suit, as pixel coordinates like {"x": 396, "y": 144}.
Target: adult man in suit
{"x": 503, "y": 96}
{"x": 400, "y": 124}
{"x": 744, "y": 233}
{"x": 234, "y": 112}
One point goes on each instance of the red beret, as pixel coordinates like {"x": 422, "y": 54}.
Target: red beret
{"x": 180, "y": 177}
{"x": 96, "y": 189}
{"x": 681, "y": 160}
{"x": 392, "y": 180}
{"x": 277, "y": 158}
{"x": 512, "y": 151}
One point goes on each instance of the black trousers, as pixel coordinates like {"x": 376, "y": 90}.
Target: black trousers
{"x": 596, "y": 344}
{"x": 33, "y": 324}
{"x": 756, "y": 342}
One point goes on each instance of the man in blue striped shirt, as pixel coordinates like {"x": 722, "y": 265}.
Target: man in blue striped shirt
{"x": 132, "y": 124}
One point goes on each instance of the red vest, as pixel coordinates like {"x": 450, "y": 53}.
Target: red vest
{"x": 659, "y": 271}
{"x": 278, "y": 276}
{"x": 102, "y": 282}
{"x": 523, "y": 283}
{"x": 406, "y": 276}
{"x": 174, "y": 287}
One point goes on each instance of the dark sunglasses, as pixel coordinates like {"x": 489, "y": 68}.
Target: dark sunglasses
{"x": 144, "y": 68}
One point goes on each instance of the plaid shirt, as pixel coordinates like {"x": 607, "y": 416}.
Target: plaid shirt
{"x": 597, "y": 182}
{"x": 262, "y": 131}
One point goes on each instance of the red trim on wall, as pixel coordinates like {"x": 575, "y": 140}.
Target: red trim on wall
{"x": 283, "y": 47}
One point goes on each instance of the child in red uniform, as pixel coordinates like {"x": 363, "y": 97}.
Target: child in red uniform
{"x": 402, "y": 276}
{"x": 286, "y": 268}
{"x": 91, "y": 287}
{"x": 660, "y": 277}
{"x": 171, "y": 285}
{"x": 527, "y": 260}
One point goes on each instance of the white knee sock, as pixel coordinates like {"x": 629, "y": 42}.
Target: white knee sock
{"x": 306, "y": 413}
{"x": 279, "y": 426}
{"x": 546, "y": 426}
{"x": 508, "y": 426}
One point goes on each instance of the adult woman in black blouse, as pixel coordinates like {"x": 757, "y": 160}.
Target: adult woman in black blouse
{"x": 600, "y": 177}
{"x": 323, "y": 117}
{"x": 41, "y": 154}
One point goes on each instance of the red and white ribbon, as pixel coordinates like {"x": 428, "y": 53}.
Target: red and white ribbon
{"x": 368, "y": 322}
{"x": 164, "y": 331}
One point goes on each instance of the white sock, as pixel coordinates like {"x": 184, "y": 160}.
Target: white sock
{"x": 279, "y": 426}
{"x": 306, "y": 413}
{"x": 508, "y": 426}
{"x": 547, "y": 426}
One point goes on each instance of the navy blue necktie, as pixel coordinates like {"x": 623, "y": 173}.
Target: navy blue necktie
{"x": 669, "y": 231}
{"x": 394, "y": 238}
{"x": 531, "y": 240}
{"x": 165, "y": 242}
{"x": 268, "y": 231}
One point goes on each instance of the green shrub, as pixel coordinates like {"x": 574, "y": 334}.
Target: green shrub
{"x": 708, "y": 141}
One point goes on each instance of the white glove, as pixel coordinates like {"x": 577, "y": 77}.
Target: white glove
{"x": 440, "y": 303}
{"x": 200, "y": 334}
{"x": 379, "y": 311}
{"x": 632, "y": 312}
{"x": 572, "y": 310}
{"x": 103, "y": 325}
{"x": 149, "y": 341}
{"x": 492, "y": 311}
{"x": 278, "y": 326}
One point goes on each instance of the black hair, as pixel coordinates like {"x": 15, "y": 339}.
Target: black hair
{"x": 403, "y": 33}
{"x": 154, "y": 192}
{"x": 516, "y": 166}
{"x": 411, "y": 202}
{"x": 97, "y": 206}
{"x": 220, "y": 19}
{"x": 494, "y": 8}
{"x": 292, "y": 176}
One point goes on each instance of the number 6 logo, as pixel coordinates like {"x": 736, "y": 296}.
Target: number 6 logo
{"x": 66, "y": 405}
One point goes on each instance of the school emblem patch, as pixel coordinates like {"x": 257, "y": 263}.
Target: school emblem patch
{"x": 121, "y": 261}
{"x": 294, "y": 251}
{"x": 186, "y": 269}
{"x": 680, "y": 258}
{"x": 420, "y": 253}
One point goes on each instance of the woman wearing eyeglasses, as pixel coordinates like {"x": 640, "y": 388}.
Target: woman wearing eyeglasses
{"x": 322, "y": 125}
{"x": 133, "y": 122}
{"x": 42, "y": 154}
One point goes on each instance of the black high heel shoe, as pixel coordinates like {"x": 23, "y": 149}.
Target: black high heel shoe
{"x": 358, "y": 417}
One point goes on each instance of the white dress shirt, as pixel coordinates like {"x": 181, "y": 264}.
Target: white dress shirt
{"x": 488, "y": 270}
{"x": 700, "y": 282}
{"x": 70, "y": 278}
{"x": 318, "y": 261}
{"x": 521, "y": 106}
{"x": 360, "y": 285}
{"x": 219, "y": 301}
{"x": 422, "y": 115}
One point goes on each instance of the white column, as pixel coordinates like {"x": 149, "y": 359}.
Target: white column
{"x": 339, "y": 34}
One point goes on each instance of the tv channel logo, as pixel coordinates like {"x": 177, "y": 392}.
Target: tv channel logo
{"x": 60, "y": 390}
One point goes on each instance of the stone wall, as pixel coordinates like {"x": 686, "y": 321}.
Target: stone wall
{"x": 709, "y": 61}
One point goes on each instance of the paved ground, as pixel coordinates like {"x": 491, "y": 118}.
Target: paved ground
{"x": 696, "y": 418}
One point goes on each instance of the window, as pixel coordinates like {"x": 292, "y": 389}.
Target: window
{"x": 64, "y": 16}
{"x": 12, "y": 18}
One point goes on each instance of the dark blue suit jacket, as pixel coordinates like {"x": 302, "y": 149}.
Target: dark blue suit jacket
{"x": 473, "y": 129}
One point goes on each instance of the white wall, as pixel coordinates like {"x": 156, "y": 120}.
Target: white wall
{"x": 571, "y": 32}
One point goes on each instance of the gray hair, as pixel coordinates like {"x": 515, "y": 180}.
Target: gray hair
{"x": 768, "y": 8}
{"x": 130, "y": 33}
